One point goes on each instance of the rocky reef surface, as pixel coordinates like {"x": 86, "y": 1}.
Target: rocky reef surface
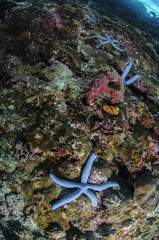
{"x": 62, "y": 99}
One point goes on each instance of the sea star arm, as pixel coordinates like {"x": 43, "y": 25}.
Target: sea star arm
{"x": 131, "y": 80}
{"x": 113, "y": 43}
{"x": 67, "y": 199}
{"x": 64, "y": 183}
{"x": 110, "y": 40}
{"x": 102, "y": 43}
{"x": 98, "y": 36}
{"x": 87, "y": 168}
{"x": 107, "y": 36}
{"x": 116, "y": 47}
{"x": 103, "y": 186}
{"x": 92, "y": 197}
{"x": 124, "y": 74}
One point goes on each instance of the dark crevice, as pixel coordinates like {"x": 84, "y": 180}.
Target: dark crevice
{"x": 126, "y": 176}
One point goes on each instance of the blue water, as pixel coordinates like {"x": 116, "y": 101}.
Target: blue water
{"x": 142, "y": 14}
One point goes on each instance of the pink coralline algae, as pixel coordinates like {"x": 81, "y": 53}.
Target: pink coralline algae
{"x": 153, "y": 147}
{"x": 112, "y": 86}
{"x": 140, "y": 85}
{"x": 36, "y": 150}
{"x": 57, "y": 20}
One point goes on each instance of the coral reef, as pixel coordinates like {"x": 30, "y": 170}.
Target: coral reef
{"x": 62, "y": 99}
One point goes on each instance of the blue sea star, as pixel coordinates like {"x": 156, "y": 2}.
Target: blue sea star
{"x": 124, "y": 74}
{"x": 107, "y": 40}
{"x": 83, "y": 186}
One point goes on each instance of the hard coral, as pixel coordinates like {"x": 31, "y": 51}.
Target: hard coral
{"x": 111, "y": 85}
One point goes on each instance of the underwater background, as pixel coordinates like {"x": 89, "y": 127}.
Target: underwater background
{"x": 79, "y": 82}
